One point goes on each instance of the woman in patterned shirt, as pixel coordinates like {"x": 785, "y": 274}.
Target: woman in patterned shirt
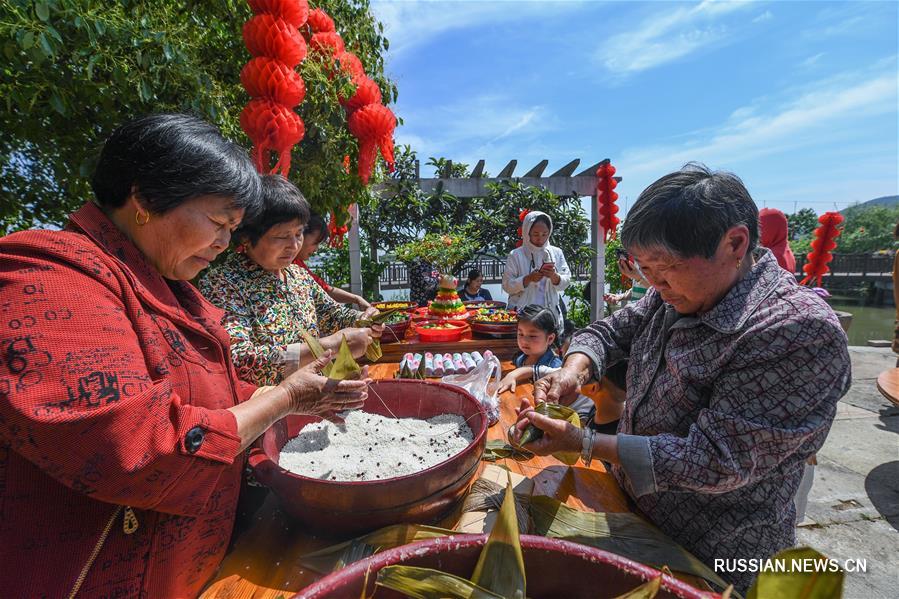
{"x": 733, "y": 376}
{"x": 269, "y": 302}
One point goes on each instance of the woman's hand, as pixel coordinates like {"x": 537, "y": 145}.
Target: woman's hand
{"x": 630, "y": 271}
{"x": 558, "y": 435}
{"x": 533, "y": 277}
{"x": 563, "y": 383}
{"x": 376, "y": 331}
{"x": 358, "y": 339}
{"x": 370, "y": 311}
{"x": 314, "y": 395}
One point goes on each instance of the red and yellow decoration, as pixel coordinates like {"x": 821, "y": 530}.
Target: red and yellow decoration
{"x": 824, "y": 243}
{"x": 447, "y": 304}
{"x": 277, "y": 38}
{"x": 606, "y": 198}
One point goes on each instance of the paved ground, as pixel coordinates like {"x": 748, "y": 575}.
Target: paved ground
{"x": 853, "y": 508}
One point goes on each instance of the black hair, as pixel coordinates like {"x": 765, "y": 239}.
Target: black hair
{"x": 473, "y": 274}
{"x": 282, "y": 202}
{"x": 543, "y": 219}
{"x": 168, "y": 159}
{"x": 542, "y": 318}
{"x": 318, "y": 225}
{"x": 686, "y": 213}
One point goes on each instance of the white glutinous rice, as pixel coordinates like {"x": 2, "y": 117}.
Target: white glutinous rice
{"x": 373, "y": 447}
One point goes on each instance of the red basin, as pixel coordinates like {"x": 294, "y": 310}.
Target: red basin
{"x": 554, "y": 569}
{"x": 352, "y": 507}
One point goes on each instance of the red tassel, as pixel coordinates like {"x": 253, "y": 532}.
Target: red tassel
{"x": 606, "y": 198}
{"x": 373, "y": 126}
{"x": 822, "y": 246}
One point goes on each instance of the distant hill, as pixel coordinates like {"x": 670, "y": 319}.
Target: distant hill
{"x": 882, "y": 201}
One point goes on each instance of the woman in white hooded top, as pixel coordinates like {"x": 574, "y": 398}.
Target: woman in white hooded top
{"x": 536, "y": 272}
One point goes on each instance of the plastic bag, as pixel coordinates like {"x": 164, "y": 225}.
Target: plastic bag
{"x": 476, "y": 382}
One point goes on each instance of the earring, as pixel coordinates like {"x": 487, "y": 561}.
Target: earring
{"x": 138, "y": 221}
{"x": 739, "y": 263}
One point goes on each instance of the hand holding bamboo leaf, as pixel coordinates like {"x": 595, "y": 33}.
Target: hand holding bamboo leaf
{"x": 548, "y": 429}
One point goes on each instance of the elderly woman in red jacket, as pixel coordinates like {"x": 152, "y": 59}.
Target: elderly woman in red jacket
{"x": 123, "y": 424}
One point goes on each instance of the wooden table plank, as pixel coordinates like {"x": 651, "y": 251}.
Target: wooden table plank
{"x": 264, "y": 562}
{"x": 888, "y": 384}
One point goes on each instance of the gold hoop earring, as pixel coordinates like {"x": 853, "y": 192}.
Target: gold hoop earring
{"x": 138, "y": 221}
{"x": 739, "y": 263}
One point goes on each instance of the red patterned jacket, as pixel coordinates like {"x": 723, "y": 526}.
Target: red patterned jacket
{"x": 114, "y": 389}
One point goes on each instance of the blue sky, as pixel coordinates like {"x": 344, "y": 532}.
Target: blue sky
{"x": 798, "y": 98}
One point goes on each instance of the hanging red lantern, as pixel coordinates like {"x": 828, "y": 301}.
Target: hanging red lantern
{"x": 319, "y": 21}
{"x": 272, "y": 127}
{"x": 336, "y": 230}
{"x": 294, "y": 12}
{"x": 373, "y": 126}
{"x": 327, "y": 42}
{"x": 822, "y": 246}
{"x": 265, "y": 77}
{"x": 606, "y": 197}
{"x": 270, "y": 36}
{"x": 367, "y": 92}
{"x": 351, "y": 65}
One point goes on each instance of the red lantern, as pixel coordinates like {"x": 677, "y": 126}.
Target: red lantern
{"x": 272, "y": 127}
{"x": 337, "y": 231}
{"x": 606, "y": 197}
{"x": 266, "y": 35}
{"x": 373, "y": 126}
{"x": 327, "y": 42}
{"x": 294, "y": 12}
{"x": 822, "y": 246}
{"x": 265, "y": 77}
{"x": 319, "y": 21}
{"x": 367, "y": 92}
{"x": 351, "y": 65}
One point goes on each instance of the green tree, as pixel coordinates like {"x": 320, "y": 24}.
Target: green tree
{"x": 868, "y": 229}
{"x": 75, "y": 69}
{"x": 802, "y": 223}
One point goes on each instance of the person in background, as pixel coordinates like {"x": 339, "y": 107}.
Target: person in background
{"x": 269, "y": 302}
{"x": 775, "y": 236}
{"x": 423, "y": 281}
{"x": 473, "y": 290}
{"x": 315, "y": 234}
{"x": 537, "y": 272}
{"x": 123, "y": 424}
{"x": 639, "y": 286}
{"x": 734, "y": 375}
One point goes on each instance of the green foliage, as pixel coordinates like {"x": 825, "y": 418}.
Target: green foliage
{"x": 868, "y": 229}
{"x": 335, "y": 267}
{"x": 409, "y": 214}
{"x": 443, "y": 250}
{"x": 802, "y": 223}
{"x": 75, "y": 69}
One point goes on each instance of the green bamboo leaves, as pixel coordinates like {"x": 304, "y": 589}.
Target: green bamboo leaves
{"x": 373, "y": 353}
{"x": 799, "y": 580}
{"x": 559, "y": 412}
{"x": 427, "y": 583}
{"x": 343, "y": 366}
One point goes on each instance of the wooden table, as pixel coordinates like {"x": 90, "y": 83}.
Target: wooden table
{"x": 888, "y": 384}
{"x": 264, "y": 562}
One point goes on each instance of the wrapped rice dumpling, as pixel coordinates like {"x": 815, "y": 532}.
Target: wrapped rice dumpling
{"x": 559, "y": 412}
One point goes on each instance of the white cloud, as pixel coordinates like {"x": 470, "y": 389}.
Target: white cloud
{"x": 412, "y": 23}
{"x": 668, "y": 36}
{"x": 765, "y": 16}
{"x": 829, "y": 109}
{"x": 812, "y": 60}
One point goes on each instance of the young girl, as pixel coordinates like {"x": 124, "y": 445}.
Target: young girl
{"x": 537, "y": 341}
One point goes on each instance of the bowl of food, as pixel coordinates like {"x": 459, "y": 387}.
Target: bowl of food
{"x": 412, "y": 461}
{"x": 395, "y": 327}
{"x": 495, "y": 322}
{"x": 391, "y": 305}
{"x": 553, "y": 567}
{"x": 483, "y": 304}
{"x": 443, "y": 330}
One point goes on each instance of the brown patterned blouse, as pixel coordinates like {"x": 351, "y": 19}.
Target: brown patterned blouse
{"x": 723, "y": 409}
{"x": 264, "y": 314}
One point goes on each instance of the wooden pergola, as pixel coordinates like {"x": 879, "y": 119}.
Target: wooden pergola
{"x": 563, "y": 182}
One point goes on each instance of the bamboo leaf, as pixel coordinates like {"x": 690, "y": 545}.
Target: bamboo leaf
{"x": 644, "y": 591}
{"x": 427, "y": 583}
{"x": 344, "y": 366}
{"x": 343, "y": 554}
{"x": 317, "y": 350}
{"x": 799, "y": 581}
{"x": 498, "y": 449}
{"x": 373, "y": 352}
{"x": 500, "y": 566}
{"x": 379, "y": 318}
{"x": 558, "y": 412}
